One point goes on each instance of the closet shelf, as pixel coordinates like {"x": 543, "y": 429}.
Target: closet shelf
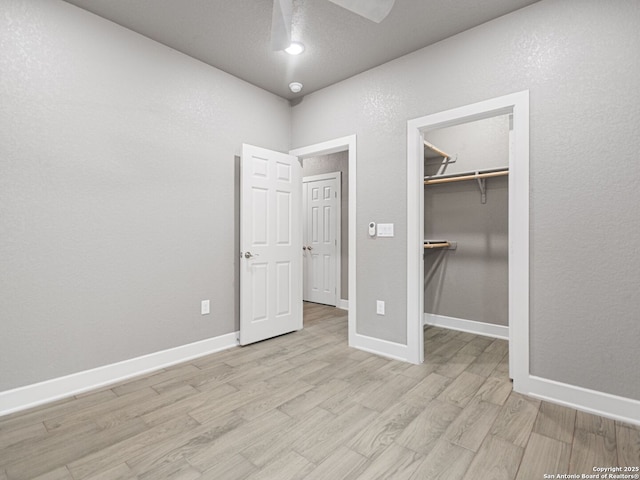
{"x": 479, "y": 175}
{"x": 459, "y": 177}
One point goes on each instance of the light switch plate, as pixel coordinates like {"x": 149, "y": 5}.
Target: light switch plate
{"x": 205, "y": 307}
{"x": 380, "y": 307}
{"x": 385, "y": 230}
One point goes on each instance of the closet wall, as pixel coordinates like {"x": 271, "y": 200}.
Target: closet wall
{"x": 470, "y": 282}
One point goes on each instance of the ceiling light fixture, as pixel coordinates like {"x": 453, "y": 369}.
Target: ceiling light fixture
{"x": 295, "y": 87}
{"x": 295, "y": 48}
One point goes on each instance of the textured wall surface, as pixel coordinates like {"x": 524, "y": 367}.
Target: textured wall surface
{"x": 117, "y": 174}
{"x": 579, "y": 61}
{"x": 336, "y": 162}
{"x": 116, "y": 191}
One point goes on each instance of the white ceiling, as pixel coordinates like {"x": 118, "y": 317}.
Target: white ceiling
{"x": 234, "y": 35}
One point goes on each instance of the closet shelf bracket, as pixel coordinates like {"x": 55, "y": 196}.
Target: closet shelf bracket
{"x": 482, "y": 185}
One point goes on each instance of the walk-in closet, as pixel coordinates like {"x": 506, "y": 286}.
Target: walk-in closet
{"x": 466, "y": 225}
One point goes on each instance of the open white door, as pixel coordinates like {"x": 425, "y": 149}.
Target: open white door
{"x": 270, "y": 244}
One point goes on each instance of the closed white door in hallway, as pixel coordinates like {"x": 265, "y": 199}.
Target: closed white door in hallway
{"x": 321, "y": 237}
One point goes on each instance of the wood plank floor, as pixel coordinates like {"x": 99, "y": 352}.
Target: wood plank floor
{"x": 305, "y": 406}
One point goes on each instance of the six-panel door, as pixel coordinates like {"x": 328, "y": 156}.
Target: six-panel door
{"x": 270, "y": 244}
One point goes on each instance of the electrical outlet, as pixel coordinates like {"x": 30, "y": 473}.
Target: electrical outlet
{"x": 380, "y": 307}
{"x": 205, "y": 307}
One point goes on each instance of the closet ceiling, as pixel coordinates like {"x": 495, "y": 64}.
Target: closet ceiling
{"x": 233, "y": 35}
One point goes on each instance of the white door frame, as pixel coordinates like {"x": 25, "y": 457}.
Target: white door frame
{"x": 338, "y": 219}
{"x": 342, "y": 144}
{"x": 516, "y": 104}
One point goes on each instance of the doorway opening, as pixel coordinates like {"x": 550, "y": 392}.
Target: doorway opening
{"x": 516, "y": 106}
{"x": 325, "y": 237}
{"x": 466, "y": 223}
{"x": 345, "y": 148}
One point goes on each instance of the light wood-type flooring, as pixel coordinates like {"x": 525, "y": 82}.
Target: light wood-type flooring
{"x": 305, "y": 406}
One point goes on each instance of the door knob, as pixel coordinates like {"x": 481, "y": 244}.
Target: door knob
{"x": 249, "y": 255}
{"x": 309, "y": 247}
{"x": 304, "y": 248}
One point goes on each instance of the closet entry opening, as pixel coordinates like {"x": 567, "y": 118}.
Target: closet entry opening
{"x": 428, "y": 278}
{"x": 466, "y": 241}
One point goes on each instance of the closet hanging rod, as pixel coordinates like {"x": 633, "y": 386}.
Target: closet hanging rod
{"x": 466, "y": 176}
{"x": 437, "y": 245}
{"x": 436, "y": 149}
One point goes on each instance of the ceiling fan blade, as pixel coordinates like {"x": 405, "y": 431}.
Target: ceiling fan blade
{"x": 281, "y": 24}
{"x": 374, "y": 10}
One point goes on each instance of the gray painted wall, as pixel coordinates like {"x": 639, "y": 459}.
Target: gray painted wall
{"x": 579, "y": 61}
{"x": 471, "y": 282}
{"x": 336, "y": 162}
{"x": 117, "y": 178}
{"x": 473, "y": 145}
{"x": 117, "y": 158}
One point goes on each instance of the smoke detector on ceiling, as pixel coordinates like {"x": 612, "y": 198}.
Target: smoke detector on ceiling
{"x": 295, "y": 87}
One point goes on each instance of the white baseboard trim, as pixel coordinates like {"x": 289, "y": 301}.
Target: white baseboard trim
{"x": 592, "y": 401}
{"x": 471, "y": 326}
{"x": 343, "y": 304}
{"x": 40, "y": 393}
{"x": 385, "y": 348}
